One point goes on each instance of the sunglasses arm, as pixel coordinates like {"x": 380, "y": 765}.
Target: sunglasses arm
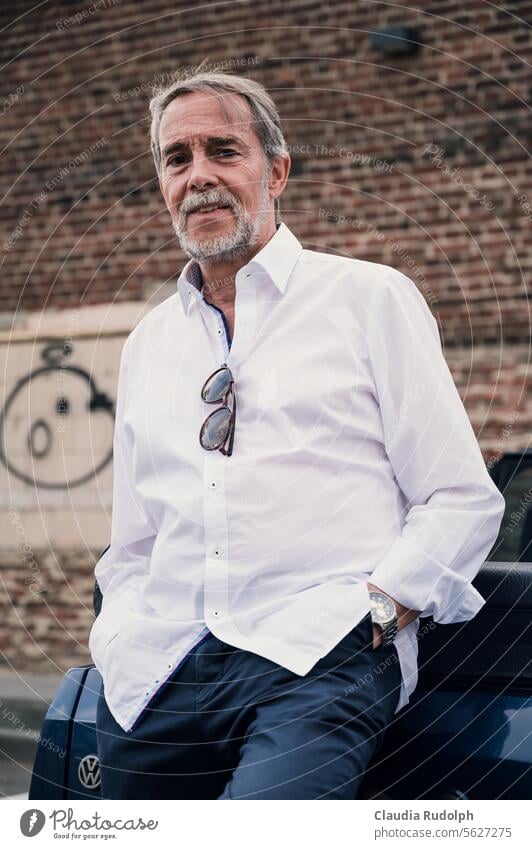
{"x": 233, "y": 427}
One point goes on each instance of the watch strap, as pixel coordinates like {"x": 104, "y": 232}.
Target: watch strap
{"x": 389, "y": 633}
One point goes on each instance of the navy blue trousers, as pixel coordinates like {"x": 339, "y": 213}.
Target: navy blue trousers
{"x": 229, "y": 724}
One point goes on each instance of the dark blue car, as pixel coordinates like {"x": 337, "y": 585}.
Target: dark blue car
{"x": 467, "y": 731}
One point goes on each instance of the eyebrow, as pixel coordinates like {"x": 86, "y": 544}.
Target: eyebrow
{"x": 212, "y": 141}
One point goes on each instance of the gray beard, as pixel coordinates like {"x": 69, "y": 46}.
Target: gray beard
{"x": 230, "y": 246}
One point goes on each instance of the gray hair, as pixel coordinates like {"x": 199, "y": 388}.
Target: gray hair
{"x": 264, "y": 116}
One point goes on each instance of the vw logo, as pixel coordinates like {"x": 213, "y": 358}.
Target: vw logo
{"x": 89, "y": 772}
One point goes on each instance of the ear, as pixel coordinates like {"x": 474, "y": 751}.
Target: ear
{"x": 280, "y": 170}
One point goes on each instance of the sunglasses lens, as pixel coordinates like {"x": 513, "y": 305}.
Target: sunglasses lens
{"x": 216, "y": 387}
{"x": 215, "y": 428}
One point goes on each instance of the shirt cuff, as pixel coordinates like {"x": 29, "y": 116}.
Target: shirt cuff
{"x": 418, "y": 581}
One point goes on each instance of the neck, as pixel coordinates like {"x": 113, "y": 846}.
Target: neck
{"x": 219, "y": 276}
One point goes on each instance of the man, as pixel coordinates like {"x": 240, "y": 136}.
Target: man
{"x": 296, "y": 482}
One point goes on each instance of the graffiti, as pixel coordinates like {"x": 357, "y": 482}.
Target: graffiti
{"x": 56, "y": 426}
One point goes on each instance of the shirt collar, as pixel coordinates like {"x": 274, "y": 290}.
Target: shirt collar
{"x": 277, "y": 259}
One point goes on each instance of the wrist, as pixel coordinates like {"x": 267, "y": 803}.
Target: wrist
{"x": 405, "y": 615}
{"x": 384, "y": 616}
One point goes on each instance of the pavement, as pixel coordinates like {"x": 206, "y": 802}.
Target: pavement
{"x": 24, "y": 700}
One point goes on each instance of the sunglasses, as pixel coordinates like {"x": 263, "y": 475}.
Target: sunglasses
{"x": 218, "y": 429}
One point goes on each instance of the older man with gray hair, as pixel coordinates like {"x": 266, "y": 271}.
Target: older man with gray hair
{"x": 270, "y": 560}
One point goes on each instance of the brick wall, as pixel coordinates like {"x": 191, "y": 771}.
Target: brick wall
{"x": 101, "y": 232}
{"x": 419, "y": 161}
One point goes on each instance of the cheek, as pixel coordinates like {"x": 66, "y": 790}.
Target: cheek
{"x": 255, "y": 178}
{"x": 170, "y": 191}
{"x": 246, "y": 182}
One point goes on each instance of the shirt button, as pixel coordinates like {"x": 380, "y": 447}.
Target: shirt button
{"x": 213, "y": 484}
{"x": 216, "y": 612}
{"x": 218, "y": 552}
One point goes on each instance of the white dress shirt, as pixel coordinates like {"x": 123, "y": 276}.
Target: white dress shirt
{"x": 353, "y": 461}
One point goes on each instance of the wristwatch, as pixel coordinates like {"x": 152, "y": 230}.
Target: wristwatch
{"x": 384, "y": 614}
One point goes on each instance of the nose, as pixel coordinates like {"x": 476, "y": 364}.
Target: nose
{"x": 202, "y": 173}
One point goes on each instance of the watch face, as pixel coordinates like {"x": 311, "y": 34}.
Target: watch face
{"x": 382, "y": 608}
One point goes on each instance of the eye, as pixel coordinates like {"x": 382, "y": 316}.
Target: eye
{"x": 178, "y": 159}
{"x": 226, "y": 152}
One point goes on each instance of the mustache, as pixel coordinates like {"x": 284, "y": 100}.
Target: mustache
{"x": 214, "y": 196}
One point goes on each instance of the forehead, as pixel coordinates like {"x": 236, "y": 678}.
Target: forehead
{"x": 202, "y": 114}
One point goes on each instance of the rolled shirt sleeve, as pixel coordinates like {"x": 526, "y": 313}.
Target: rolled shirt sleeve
{"x": 454, "y": 508}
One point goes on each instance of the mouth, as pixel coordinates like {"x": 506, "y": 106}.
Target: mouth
{"x": 210, "y": 209}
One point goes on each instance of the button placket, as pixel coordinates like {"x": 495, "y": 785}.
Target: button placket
{"x": 214, "y": 499}
{"x": 215, "y": 332}
{"x": 214, "y": 506}
{"x": 216, "y": 537}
